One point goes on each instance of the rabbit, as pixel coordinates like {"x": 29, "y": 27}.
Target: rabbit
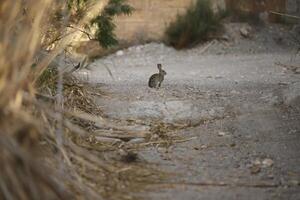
{"x": 156, "y": 79}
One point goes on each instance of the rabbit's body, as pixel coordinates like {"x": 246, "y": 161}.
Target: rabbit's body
{"x": 156, "y": 79}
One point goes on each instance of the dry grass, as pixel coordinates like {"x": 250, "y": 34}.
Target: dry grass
{"x": 21, "y": 175}
{"x": 42, "y": 118}
{"x": 24, "y": 121}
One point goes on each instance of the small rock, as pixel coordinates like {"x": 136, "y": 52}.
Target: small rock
{"x": 138, "y": 48}
{"x": 120, "y": 53}
{"x": 162, "y": 150}
{"x": 221, "y": 133}
{"x": 257, "y": 162}
{"x": 204, "y": 146}
{"x": 267, "y": 163}
{"x": 212, "y": 112}
{"x": 154, "y": 137}
{"x": 225, "y": 37}
{"x": 245, "y": 32}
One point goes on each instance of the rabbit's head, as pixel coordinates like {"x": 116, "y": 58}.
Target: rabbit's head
{"x": 161, "y": 71}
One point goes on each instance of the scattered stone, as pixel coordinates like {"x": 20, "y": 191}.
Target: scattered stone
{"x": 221, "y": 133}
{"x": 267, "y": 163}
{"x": 120, "y": 53}
{"x": 225, "y": 37}
{"x": 245, "y": 32}
{"x": 138, "y": 48}
{"x": 212, "y": 112}
{"x": 155, "y": 137}
{"x": 162, "y": 150}
{"x": 257, "y": 162}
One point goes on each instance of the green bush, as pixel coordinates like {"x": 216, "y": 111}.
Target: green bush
{"x": 103, "y": 22}
{"x": 193, "y": 26}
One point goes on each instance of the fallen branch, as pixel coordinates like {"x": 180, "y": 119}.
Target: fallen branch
{"x": 120, "y": 134}
{"x": 206, "y": 47}
{"x": 292, "y": 68}
{"x": 166, "y": 142}
{"x": 283, "y": 14}
{"x": 219, "y": 184}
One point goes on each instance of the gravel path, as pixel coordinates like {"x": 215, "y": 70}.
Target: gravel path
{"x": 249, "y": 146}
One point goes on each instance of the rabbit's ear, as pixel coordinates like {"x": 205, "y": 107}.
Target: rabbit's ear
{"x": 159, "y": 66}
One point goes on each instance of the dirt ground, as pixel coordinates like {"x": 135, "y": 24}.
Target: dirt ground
{"x": 237, "y": 103}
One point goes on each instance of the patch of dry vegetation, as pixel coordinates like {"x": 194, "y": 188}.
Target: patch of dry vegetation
{"x": 25, "y": 121}
{"x": 47, "y": 118}
{"x": 22, "y": 176}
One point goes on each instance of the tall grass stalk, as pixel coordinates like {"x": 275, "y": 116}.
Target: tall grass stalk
{"x": 22, "y": 24}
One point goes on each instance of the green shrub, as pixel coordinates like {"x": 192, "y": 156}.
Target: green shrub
{"x": 104, "y": 22}
{"x": 193, "y": 26}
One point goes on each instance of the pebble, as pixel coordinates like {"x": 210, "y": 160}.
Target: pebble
{"x": 155, "y": 136}
{"x": 221, "y": 133}
{"x": 120, "y": 53}
{"x": 212, "y": 112}
{"x": 267, "y": 163}
{"x": 245, "y": 32}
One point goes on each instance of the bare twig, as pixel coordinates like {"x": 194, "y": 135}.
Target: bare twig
{"x": 166, "y": 142}
{"x": 206, "y": 47}
{"x": 294, "y": 69}
{"x": 285, "y": 15}
{"x": 219, "y": 184}
{"x": 82, "y": 31}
